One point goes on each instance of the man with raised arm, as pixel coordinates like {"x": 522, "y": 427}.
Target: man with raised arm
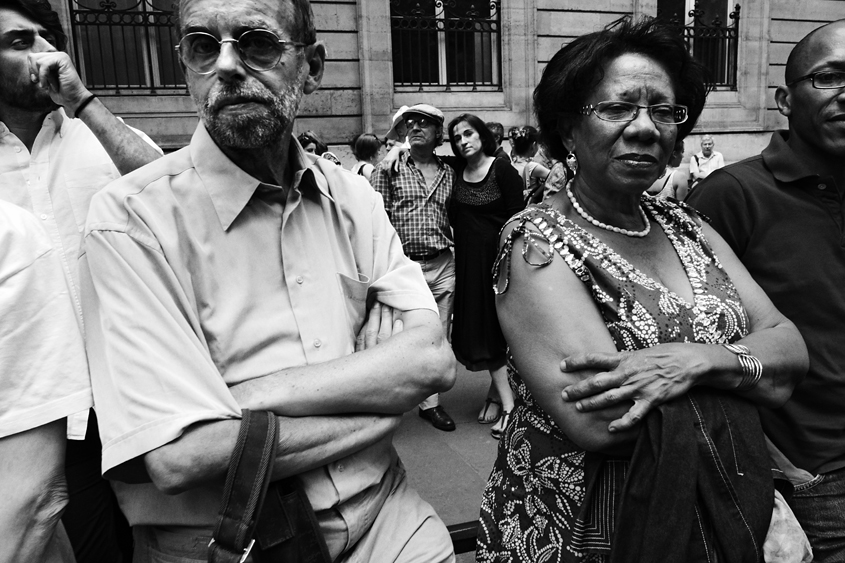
{"x": 235, "y": 274}
{"x": 783, "y": 212}
{"x": 416, "y": 199}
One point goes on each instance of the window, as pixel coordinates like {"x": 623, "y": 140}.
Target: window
{"x": 711, "y": 33}
{"x": 446, "y": 45}
{"x": 127, "y": 44}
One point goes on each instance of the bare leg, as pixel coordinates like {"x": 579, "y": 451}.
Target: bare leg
{"x": 492, "y": 405}
{"x": 503, "y": 388}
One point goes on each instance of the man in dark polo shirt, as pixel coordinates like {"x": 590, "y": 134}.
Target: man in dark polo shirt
{"x": 783, "y": 213}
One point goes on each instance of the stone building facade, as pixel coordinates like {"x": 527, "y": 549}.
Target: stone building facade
{"x": 365, "y": 80}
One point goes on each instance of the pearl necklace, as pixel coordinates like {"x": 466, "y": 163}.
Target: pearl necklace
{"x": 587, "y": 217}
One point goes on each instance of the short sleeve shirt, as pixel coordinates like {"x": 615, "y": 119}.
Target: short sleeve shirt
{"x": 43, "y": 372}
{"x": 194, "y": 280}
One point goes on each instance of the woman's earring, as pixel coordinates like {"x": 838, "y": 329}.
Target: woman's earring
{"x": 572, "y": 162}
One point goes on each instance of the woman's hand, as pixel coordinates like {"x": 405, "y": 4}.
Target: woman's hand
{"x": 648, "y": 377}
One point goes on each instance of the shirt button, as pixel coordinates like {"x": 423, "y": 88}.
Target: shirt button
{"x": 299, "y": 279}
{"x": 822, "y": 186}
{"x": 317, "y": 343}
{"x": 43, "y": 217}
{"x": 17, "y": 149}
{"x": 340, "y": 467}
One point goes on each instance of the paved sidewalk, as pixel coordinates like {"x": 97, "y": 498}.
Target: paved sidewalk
{"x": 450, "y": 469}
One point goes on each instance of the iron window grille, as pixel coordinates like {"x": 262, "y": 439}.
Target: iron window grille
{"x": 127, "y": 46}
{"x": 446, "y": 45}
{"x": 715, "y": 45}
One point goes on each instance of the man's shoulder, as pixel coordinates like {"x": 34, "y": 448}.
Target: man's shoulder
{"x": 350, "y": 191}
{"x": 750, "y": 172}
{"x": 146, "y": 184}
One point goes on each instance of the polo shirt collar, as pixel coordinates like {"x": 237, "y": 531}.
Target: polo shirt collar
{"x": 782, "y": 162}
{"x": 229, "y": 186}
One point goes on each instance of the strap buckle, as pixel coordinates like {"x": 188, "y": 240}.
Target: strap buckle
{"x": 246, "y": 551}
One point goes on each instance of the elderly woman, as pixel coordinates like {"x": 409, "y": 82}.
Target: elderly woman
{"x": 639, "y": 344}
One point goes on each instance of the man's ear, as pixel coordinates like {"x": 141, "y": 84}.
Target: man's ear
{"x": 783, "y": 98}
{"x": 315, "y": 56}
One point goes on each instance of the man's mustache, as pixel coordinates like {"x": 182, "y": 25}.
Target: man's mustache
{"x": 238, "y": 95}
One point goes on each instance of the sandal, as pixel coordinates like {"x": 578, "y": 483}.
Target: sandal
{"x": 482, "y": 416}
{"x": 505, "y": 419}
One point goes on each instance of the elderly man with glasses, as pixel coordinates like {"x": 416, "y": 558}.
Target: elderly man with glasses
{"x": 783, "y": 212}
{"x": 416, "y": 199}
{"x": 235, "y": 274}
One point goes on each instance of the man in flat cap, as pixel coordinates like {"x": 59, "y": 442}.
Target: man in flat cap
{"x": 416, "y": 200}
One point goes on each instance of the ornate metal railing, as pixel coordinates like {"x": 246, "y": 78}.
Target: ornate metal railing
{"x": 127, "y": 45}
{"x": 715, "y": 45}
{"x": 446, "y": 44}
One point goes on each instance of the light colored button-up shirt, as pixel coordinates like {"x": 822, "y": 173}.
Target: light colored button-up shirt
{"x": 701, "y": 166}
{"x": 55, "y": 183}
{"x": 43, "y": 372}
{"x": 194, "y": 281}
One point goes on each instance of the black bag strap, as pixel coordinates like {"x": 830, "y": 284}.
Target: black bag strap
{"x": 247, "y": 479}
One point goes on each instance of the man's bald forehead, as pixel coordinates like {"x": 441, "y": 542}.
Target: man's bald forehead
{"x": 810, "y": 48}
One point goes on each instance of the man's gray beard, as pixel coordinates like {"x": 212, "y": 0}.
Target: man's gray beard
{"x": 260, "y": 128}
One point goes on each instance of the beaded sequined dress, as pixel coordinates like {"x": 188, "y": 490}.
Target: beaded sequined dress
{"x": 531, "y": 505}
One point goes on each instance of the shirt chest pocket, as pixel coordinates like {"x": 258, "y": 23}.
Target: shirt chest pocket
{"x": 81, "y": 185}
{"x": 355, "y": 293}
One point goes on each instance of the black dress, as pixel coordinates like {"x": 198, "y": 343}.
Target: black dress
{"x": 477, "y": 213}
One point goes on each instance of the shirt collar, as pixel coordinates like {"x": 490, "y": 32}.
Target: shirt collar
{"x": 782, "y": 162}
{"x": 58, "y": 118}
{"x": 406, "y": 158}
{"x": 230, "y": 187}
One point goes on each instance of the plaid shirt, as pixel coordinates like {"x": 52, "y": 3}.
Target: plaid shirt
{"x": 418, "y": 211}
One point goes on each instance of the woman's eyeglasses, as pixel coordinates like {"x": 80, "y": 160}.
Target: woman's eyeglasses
{"x": 259, "y": 49}
{"x": 667, "y": 114}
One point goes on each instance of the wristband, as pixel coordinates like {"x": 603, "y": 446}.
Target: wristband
{"x": 81, "y": 106}
{"x": 752, "y": 368}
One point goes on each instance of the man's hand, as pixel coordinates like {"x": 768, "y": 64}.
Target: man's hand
{"x": 391, "y": 160}
{"x": 382, "y": 323}
{"x": 55, "y": 73}
{"x": 648, "y": 377}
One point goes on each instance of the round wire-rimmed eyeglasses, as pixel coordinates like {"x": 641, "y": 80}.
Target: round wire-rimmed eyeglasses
{"x": 259, "y": 49}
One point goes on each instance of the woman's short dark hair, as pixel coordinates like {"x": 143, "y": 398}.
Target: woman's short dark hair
{"x": 309, "y": 137}
{"x": 523, "y": 139}
{"x": 41, "y": 13}
{"x": 577, "y": 69}
{"x": 488, "y": 142}
{"x": 365, "y": 146}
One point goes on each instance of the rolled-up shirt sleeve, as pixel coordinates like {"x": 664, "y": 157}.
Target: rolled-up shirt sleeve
{"x": 397, "y": 280}
{"x": 151, "y": 371}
